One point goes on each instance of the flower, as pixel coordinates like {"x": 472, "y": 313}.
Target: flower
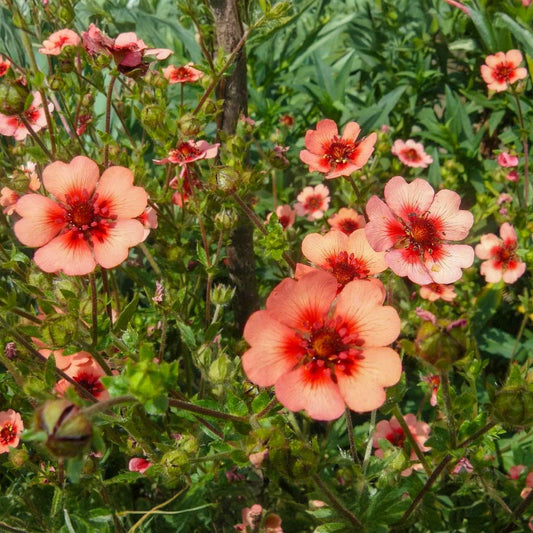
{"x": 426, "y": 315}
{"x": 516, "y": 470}
{"x": 463, "y": 466}
{"x": 12, "y": 126}
{"x": 286, "y": 216}
{"x": 58, "y": 40}
{"x": 89, "y": 221}
{"x": 138, "y": 464}
{"x": 436, "y": 291}
{"x": 393, "y": 432}
{"x": 501, "y": 69}
{"x": 4, "y": 66}
{"x": 512, "y": 176}
{"x": 526, "y": 3}
{"x": 506, "y": 160}
{"x": 184, "y": 74}
{"x": 346, "y": 220}
{"x": 501, "y": 259}
{"x": 252, "y": 518}
{"x": 149, "y": 220}
{"x": 333, "y": 155}
{"x": 313, "y": 202}
{"x": 88, "y": 376}
{"x": 411, "y": 153}
{"x": 529, "y": 486}
{"x": 286, "y": 120}
{"x": 347, "y": 257}
{"x": 64, "y": 362}
{"x": 434, "y": 382}
{"x": 11, "y": 427}
{"x": 189, "y": 151}
{"x": 322, "y": 352}
{"x": 413, "y": 227}
{"x": 8, "y": 200}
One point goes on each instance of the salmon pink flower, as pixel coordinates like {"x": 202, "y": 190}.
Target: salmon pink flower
{"x": 346, "y": 220}
{"x": 502, "y": 261}
{"x": 347, "y": 257}
{"x": 89, "y": 221}
{"x": 4, "y": 66}
{"x": 436, "y": 291}
{"x": 411, "y": 153}
{"x": 64, "y": 362}
{"x": 322, "y": 352}
{"x": 12, "y": 126}
{"x": 58, "y": 40}
{"x": 393, "y": 432}
{"x": 414, "y": 226}
{"x": 286, "y": 216}
{"x": 189, "y": 151}
{"x": 516, "y": 470}
{"x": 512, "y": 176}
{"x": 138, "y": 464}
{"x": 88, "y": 376}
{"x": 506, "y": 160}
{"x": 463, "y": 466}
{"x": 502, "y": 69}
{"x": 184, "y": 74}
{"x": 8, "y": 200}
{"x": 335, "y": 155}
{"x": 313, "y": 202}
{"x": 11, "y": 427}
{"x": 149, "y": 220}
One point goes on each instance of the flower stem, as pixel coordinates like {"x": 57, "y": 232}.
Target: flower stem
{"x": 109, "y": 100}
{"x": 368, "y": 450}
{"x": 94, "y": 310}
{"x": 104, "y": 405}
{"x": 186, "y": 406}
{"x": 351, "y": 181}
{"x": 524, "y": 136}
{"x": 349, "y": 429}
{"x": 34, "y": 136}
{"x": 477, "y": 434}
{"x": 337, "y": 504}
{"x": 445, "y": 387}
{"x": 518, "y": 511}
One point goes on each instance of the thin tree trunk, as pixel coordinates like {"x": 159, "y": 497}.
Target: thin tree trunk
{"x": 232, "y": 89}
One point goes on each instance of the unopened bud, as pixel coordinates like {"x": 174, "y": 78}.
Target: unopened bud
{"x": 189, "y": 125}
{"x": 56, "y": 83}
{"x": 174, "y": 462}
{"x": 227, "y": 179}
{"x": 225, "y": 219}
{"x": 152, "y": 116}
{"x": 222, "y": 295}
{"x": 18, "y": 457}
{"x": 12, "y": 98}
{"x": 59, "y": 330}
{"x": 10, "y": 351}
{"x": 513, "y": 406}
{"x": 439, "y": 347}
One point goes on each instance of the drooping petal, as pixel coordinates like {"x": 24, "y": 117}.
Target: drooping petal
{"x": 61, "y": 179}
{"x": 316, "y": 163}
{"x": 363, "y": 389}
{"x": 405, "y": 198}
{"x": 42, "y": 219}
{"x": 312, "y": 389}
{"x": 274, "y": 349}
{"x": 68, "y": 252}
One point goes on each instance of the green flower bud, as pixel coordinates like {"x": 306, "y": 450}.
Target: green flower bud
{"x": 225, "y": 219}
{"x": 18, "y": 457}
{"x": 227, "y": 179}
{"x": 56, "y": 83}
{"x": 189, "y": 125}
{"x": 152, "y": 116}
{"x": 220, "y": 370}
{"x": 68, "y": 431}
{"x": 173, "y": 463}
{"x": 188, "y": 444}
{"x": 439, "y": 347}
{"x": 59, "y": 330}
{"x": 13, "y": 97}
{"x": 222, "y": 295}
{"x": 513, "y": 406}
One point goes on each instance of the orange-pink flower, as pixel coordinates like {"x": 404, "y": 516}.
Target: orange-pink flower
{"x": 436, "y": 291}
{"x": 138, "y": 464}
{"x": 501, "y": 259}
{"x": 347, "y": 257}
{"x": 88, "y": 376}
{"x": 335, "y": 155}
{"x": 507, "y": 160}
{"x": 4, "y": 66}
{"x": 286, "y": 215}
{"x": 313, "y": 202}
{"x": 411, "y": 153}
{"x": 503, "y": 69}
{"x": 11, "y": 427}
{"x": 12, "y": 126}
{"x": 322, "y": 352}
{"x": 184, "y": 74}
{"x": 413, "y": 226}
{"x": 89, "y": 220}
{"x": 346, "y": 220}
{"x": 58, "y": 40}
{"x": 189, "y": 151}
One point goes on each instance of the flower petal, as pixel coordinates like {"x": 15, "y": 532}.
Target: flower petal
{"x": 453, "y": 223}
{"x": 61, "y": 179}
{"x": 405, "y": 198}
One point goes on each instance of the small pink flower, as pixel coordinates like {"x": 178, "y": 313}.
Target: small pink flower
{"x": 434, "y": 381}
{"x": 11, "y": 427}
{"x": 189, "y": 151}
{"x": 90, "y": 220}
{"x": 8, "y": 200}
{"x": 393, "y": 432}
{"x": 287, "y": 121}
{"x": 88, "y": 376}
{"x": 504, "y": 198}
{"x": 463, "y": 466}
{"x": 257, "y": 458}
{"x": 347, "y": 257}
{"x": 138, "y": 464}
{"x": 515, "y": 471}
{"x": 346, "y": 220}
{"x": 512, "y": 176}
{"x": 159, "y": 293}
{"x": 501, "y": 259}
{"x": 413, "y": 226}
{"x": 12, "y": 126}
{"x": 411, "y": 153}
{"x": 4, "y": 66}
{"x": 506, "y": 160}
{"x": 184, "y": 74}
{"x": 335, "y": 155}
{"x": 286, "y": 215}
{"x": 526, "y": 3}
{"x": 436, "y": 291}
{"x": 313, "y": 202}
{"x": 502, "y": 69}
{"x": 529, "y": 486}
{"x": 279, "y": 151}
{"x": 58, "y": 40}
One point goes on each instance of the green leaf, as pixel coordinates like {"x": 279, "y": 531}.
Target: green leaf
{"x": 127, "y": 314}
{"x": 187, "y": 336}
{"x": 487, "y": 304}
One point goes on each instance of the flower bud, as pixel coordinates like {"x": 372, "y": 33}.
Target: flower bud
{"x": 12, "y": 98}
{"x": 59, "y": 330}
{"x": 56, "y": 83}
{"x": 173, "y": 463}
{"x": 222, "y": 295}
{"x": 152, "y": 116}
{"x": 225, "y": 219}
{"x": 18, "y": 457}
{"x": 439, "y": 347}
{"x": 189, "y": 125}
{"x": 68, "y": 431}
{"x": 10, "y": 351}
{"x": 513, "y": 407}
{"x": 227, "y": 179}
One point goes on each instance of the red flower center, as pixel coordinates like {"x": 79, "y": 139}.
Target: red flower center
{"x": 348, "y": 225}
{"x": 3, "y": 68}
{"x": 339, "y": 151}
{"x": 412, "y": 155}
{"x": 503, "y": 72}
{"x": 422, "y": 233}
{"x": 397, "y": 437}
{"x": 284, "y": 221}
{"x": 8, "y": 433}
{"x": 85, "y": 213}
{"x": 314, "y": 203}
{"x": 90, "y": 382}
{"x": 326, "y": 343}
{"x": 435, "y": 287}
{"x": 31, "y": 115}
{"x": 347, "y": 268}
{"x": 184, "y": 151}
{"x": 182, "y": 73}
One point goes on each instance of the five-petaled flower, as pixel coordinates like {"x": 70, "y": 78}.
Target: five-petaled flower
{"x": 322, "y": 351}
{"x": 313, "y": 202}
{"x": 346, "y": 220}
{"x": 501, "y": 259}
{"x": 335, "y": 155}
{"x": 414, "y": 226}
{"x": 13, "y": 126}
{"x": 90, "y": 221}
{"x": 58, "y": 40}
{"x": 411, "y": 153}
{"x": 184, "y": 74}
{"x": 436, "y": 291}
{"x": 189, "y": 151}
{"x": 11, "y": 427}
{"x": 502, "y": 69}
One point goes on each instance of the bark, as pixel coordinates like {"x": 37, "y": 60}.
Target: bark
{"x": 233, "y": 90}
